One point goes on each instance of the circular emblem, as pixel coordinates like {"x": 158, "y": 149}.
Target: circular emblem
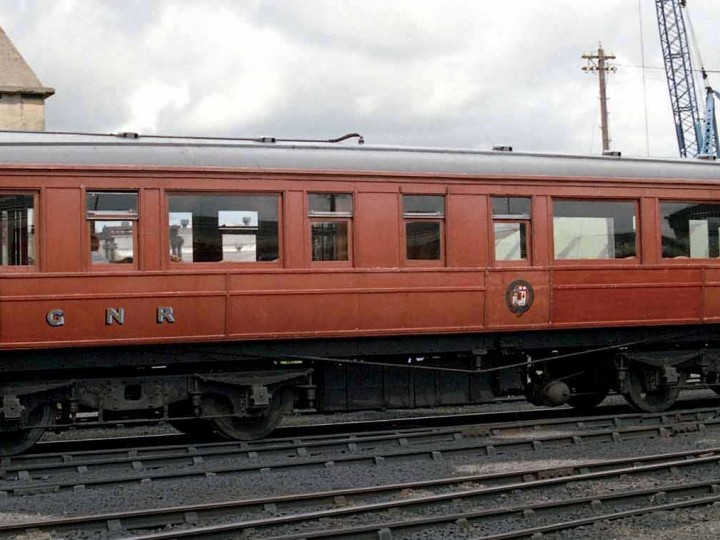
{"x": 519, "y": 296}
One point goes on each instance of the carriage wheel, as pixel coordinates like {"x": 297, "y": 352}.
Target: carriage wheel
{"x": 643, "y": 400}
{"x": 249, "y": 427}
{"x": 16, "y": 442}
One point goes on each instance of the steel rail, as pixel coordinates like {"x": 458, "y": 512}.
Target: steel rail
{"x": 492, "y": 447}
{"x": 422, "y": 503}
{"x": 494, "y": 484}
{"x": 304, "y": 431}
{"x": 144, "y": 459}
{"x": 464, "y": 520}
{"x": 336, "y": 428}
{"x": 75, "y": 446}
{"x": 535, "y": 532}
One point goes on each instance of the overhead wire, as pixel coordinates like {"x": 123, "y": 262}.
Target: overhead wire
{"x": 658, "y": 68}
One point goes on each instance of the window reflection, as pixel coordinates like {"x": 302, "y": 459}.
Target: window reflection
{"x": 511, "y": 224}
{"x": 510, "y": 241}
{"x": 423, "y": 216}
{"x": 223, "y": 228}
{"x": 594, "y": 229}
{"x": 330, "y": 241}
{"x": 690, "y": 230}
{"x": 330, "y": 238}
{"x": 111, "y": 242}
{"x": 112, "y": 218}
{"x": 17, "y": 230}
{"x": 422, "y": 239}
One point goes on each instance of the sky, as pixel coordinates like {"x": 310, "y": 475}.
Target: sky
{"x": 440, "y": 73}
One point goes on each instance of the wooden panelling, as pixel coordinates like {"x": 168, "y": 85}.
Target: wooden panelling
{"x": 375, "y": 223}
{"x": 62, "y": 233}
{"x": 421, "y": 310}
{"x": 627, "y": 296}
{"x": 466, "y": 229}
{"x": 153, "y": 246}
{"x": 375, "y": 293}
{"x": 295, "y": 245}
{"x": 353, "y": 313}
{"x": 85, "y": 320}
{"x": 109, "y": 285}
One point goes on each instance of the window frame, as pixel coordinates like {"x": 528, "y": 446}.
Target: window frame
{"x": 37, "y": 231}
{"x": 110, "y": 216}
{"x": 165, "y": 237}
{"x": 423, "y": 217}
{"x": 340, "y": 216}
{"x": 626, "y": 261}
{"x": 510, "y": 218}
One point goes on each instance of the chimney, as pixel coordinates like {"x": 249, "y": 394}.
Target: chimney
{"x": 22, "y": 96}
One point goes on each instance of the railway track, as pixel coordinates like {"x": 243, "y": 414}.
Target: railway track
{"x": 441, "y": 503}
{"x": 28, "y": 475}
{"x": 92, "y": 444}
{"x": 96, "y": 450}
{"x": 327, "y": 428}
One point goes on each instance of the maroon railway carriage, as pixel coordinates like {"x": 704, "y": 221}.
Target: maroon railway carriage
{"x": 210, "y": 283}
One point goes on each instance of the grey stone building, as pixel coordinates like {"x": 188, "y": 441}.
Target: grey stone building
{"x": 22, "y": 96}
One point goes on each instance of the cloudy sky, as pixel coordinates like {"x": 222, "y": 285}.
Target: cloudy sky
{"x": 451, "y": 73}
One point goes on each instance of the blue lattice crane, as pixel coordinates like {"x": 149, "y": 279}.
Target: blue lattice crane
{"x": 710, "y": 146}
{"x": 696, "y": 137}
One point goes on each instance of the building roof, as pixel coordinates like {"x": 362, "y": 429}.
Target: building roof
{"x": 16, "y": 77}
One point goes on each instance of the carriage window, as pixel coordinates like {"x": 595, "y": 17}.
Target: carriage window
{"x": 424, "y": 216}
{"x": 690, "y": 230}
{"x": 594, "y": 229}
{"x": 17, "y": 230}
{"x": 330, "y": 218}
{"x": 111, "y": 218}
{"x": 223, "y": 228}
{"x": 511, "y": 226}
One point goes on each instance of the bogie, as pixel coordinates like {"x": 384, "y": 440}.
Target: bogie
{"x": 20, "y": 434}
{"x": 650, "y": 389}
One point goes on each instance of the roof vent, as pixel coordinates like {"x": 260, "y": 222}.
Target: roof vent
{"x": 502, "y": 148}
{"x": 612, "y": 153}
{"x": 128, "y": 135}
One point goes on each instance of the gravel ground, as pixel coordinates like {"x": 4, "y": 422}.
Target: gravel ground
{"x": 697, "y": 523}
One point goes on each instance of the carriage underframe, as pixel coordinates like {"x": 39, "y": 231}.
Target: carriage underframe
{"x": 242, "y": 391}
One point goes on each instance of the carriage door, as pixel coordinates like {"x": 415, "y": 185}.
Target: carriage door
{"x": 517, "y": 292}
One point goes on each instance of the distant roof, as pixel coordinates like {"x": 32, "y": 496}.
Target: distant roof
{"x": 16, "y": 77}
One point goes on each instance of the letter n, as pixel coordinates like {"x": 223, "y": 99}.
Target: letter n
{"x": 113, "y": 315}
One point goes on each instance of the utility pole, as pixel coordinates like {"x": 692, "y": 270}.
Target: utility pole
{"x": 597, "y": 62}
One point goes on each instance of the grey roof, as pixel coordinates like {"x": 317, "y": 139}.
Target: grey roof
{"x": 16, "y": 77}
{"x": 170, "y": 152}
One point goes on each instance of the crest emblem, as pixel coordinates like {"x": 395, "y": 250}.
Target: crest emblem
{"x": 519, "y": 296}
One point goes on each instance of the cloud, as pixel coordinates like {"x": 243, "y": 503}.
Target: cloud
{"x": 421, "y": 72}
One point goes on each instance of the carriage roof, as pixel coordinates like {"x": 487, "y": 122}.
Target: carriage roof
{"x": 69, "y": 149}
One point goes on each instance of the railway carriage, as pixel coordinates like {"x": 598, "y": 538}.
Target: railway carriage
{"x": 212, "y": 283}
